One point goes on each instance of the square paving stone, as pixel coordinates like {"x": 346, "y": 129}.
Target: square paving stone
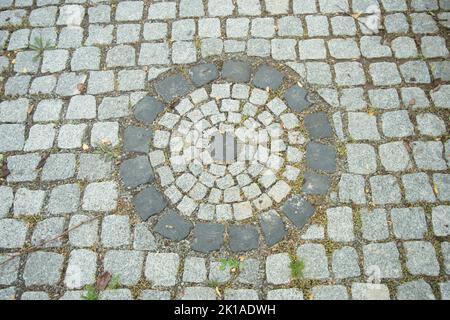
{"x": 105, "y": 132}
{"x": 330, "y": 292}
{"x": 298, "y": 210}
{"x": 314, "y": 259}
{"x": 441, "y": 220}
{"x": 418, "y": 188}
{"x": 428, "y": 155}
{"x": 442, "y": 184}
{"x": 404, "y": 47}
{"x": 40, "y": 137}
{"x": 315, "y": 184}
{"x": 249, "y": 272}
{"x": 64, "y": 199}
{"x": 409, "y": 223}
{"x": 81, "y": 269}
{"x": 421, "y": 258}
{"x": 363, "y": 126}
{"x": 43, "y": 268}
{"x": 370, "y": 291}
{"x": 394, "y": 156}
{"x": 125, "y": 264}
{"x": 352, "y": 189}
{"x": 153, "y": 54}
{"x": 258, "y": 47}
{"x": 198, "y": 293}
{"x": 136, "y": 171}
{"x": 382, "y": 258}
{"x": 415, "y": 72}
{"x": 430, "y": 124}
{"x": 85, "y": 58}
{"x": 321, "y": 157}
{"x": 243, "y": 238}
{"x": 115, "y": 231}
{"x": 296, "y": 98}
{"x": 81, "y": 107}
{"x": 349, "y": 74}
{"x": 240, "y": 294}
{"x": 374, "y": 224}
{"x": 267, "y": 76}
{"x": 6, "y": 200}
{"x": 340, "y": 224}
{"x": 128, "y": 33}
{"x": 137, "y": 139}
{"x": 14, "y": 110}
{"x": 100, "y": 196}
{"x": 285, "y": 294}
{"x": 415, "y": 290}
{"x": 28, "y": 202}
{"x": 317, "y": 26}
{"x": 13, "y": 233}
{"x": 345, "y": 263}
{"x": 162, "y": 268}
{"x": 100, "y": 82}
{"x": 12, "y": 137}
{"x": 273, "y": 227}
{"x": 208, "y": 237}
{"x": 93, "y": 167}
{"x": 46, "y": 230}
{"x": 121, "y": 56}
{"x": 194, "y": 270}
{"x": 59, "y": 166}
{"x": 48, "y": 110}
{"x": 361, "y": 158}
{"x": 318, "y": 73}
{"x": 71, "y": 136}
{"x": 173, "y": 226}
{"x": 277, "y": 269}
{"x": 23, "y": 167}
{"x": 318, "y": 125}
{"x": 385, "y": 189}
{"x": 397, "y": 124}
{"x": 85, "y": 235}
{"x": 173, "y": 87}
{"x": 149, "y": 202}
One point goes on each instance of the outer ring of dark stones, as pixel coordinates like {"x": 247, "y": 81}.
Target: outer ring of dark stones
{"x": 137, "y": 174}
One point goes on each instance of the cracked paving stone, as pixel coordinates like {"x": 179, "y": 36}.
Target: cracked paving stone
{"x": 149, "y": 202}
{"x": 136, "y": 171}
{"x": 173, "y": 87}
{"x": 243, "y": 238}
{"x": 173, "y": 226}
{"x": 298, "y": 210}
{"x": 272, "y": 227}
{"x": 208, "y": 237}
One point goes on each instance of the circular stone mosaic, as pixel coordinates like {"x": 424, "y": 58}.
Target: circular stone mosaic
{"x": 232, "y": 154}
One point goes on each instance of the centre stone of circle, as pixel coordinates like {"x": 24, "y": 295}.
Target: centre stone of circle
{"x": 234, "y": 157}
{"x": 224, "y": 148}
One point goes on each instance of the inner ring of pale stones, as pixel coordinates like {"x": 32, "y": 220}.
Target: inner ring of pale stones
{"x": 227, "y": 156}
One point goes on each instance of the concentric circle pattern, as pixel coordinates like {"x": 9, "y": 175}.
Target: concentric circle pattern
{"x": 234, "y": 154}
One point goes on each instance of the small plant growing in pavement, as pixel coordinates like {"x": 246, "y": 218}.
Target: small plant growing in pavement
{"x": 232, "y": 262}
{"x": 114, "y": 283}
{"x": 107, "y": 150}
{"x": 296, "y": 267}
{"x": 39, "y": 46}
{"x": 91, "y": 293}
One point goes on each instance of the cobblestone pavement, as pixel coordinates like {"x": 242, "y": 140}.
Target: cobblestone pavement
{"x": 225, "y": 149}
